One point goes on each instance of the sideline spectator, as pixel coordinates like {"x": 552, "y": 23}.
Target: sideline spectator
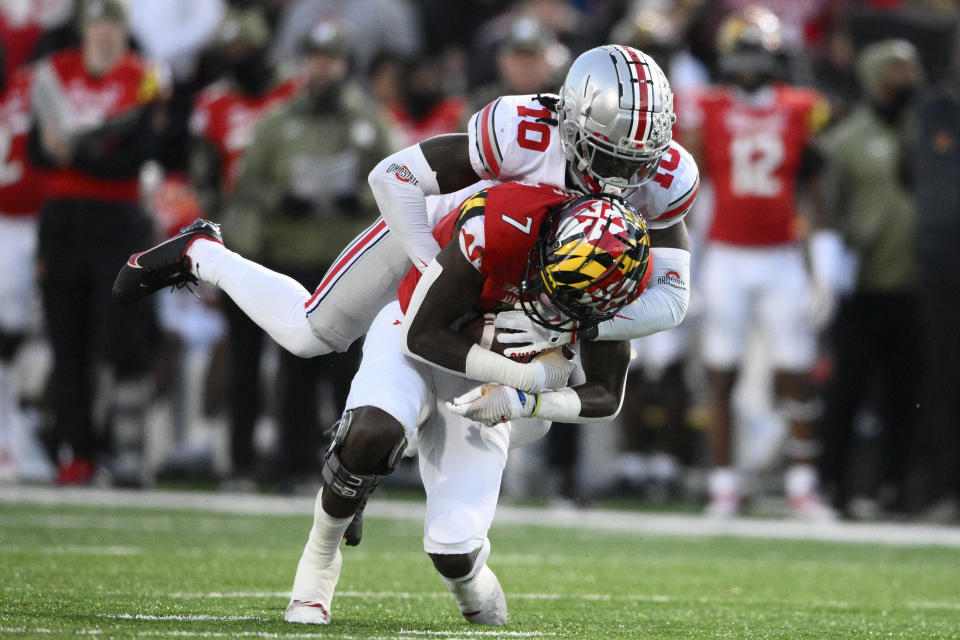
{"x": 21, "y": 197}
{"x": 529, "y": 60}
{"x": 937, "y": 165}
{"x": 301, "y": 197}
{"x": 873, "y": 208}
{"x": 425, "y": 109}
{"x": 95, "y": 128}
{"x": 225, "y": 117}
{"x": 375, "y": 26}
{"x": 174, "y": 32}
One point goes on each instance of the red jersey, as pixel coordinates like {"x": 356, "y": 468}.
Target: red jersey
{"x": 20, "y": 29}
{"x": 443, "y": 117}
{"x": 94, "y": 101}
{"x": 21, "y": 192}
{"x": 496, "y": 228}
{"x": 752, "y": 150}
{"x": 227, "y": 120}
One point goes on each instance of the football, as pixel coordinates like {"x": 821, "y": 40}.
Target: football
{"x": 481, "y": 331}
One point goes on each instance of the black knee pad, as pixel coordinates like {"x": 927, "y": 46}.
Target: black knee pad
{"x": 345, "y": 482}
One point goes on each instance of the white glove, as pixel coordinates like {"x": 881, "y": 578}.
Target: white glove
{"x": 526, "y": 332}
{"x": 555, "y": 369}
{"x": 491, "y": 404}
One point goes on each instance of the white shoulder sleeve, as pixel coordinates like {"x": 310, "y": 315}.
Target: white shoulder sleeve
{"x": 401, "y": 183}
{"x": 675, "y": 187}
{"x": 509, "y": 138}
{"x": 662, "y": 305}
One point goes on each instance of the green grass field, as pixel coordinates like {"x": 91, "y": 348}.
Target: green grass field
{"x": 118, "y": 573}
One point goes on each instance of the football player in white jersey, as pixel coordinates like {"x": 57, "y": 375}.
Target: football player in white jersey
{"x": 609, "y": 130}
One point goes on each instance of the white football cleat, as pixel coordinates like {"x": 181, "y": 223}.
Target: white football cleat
{"x": 312, "y": 596}
{"x": 306, "y": 612}
{"x": 481, "y": 599}
{"x": 811, "y": 507}
{"x": 726, "y": 505}
{"x": 724, "y": 485}
{"x": 805, "y": 502}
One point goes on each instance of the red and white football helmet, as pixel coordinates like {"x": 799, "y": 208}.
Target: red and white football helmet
{"x": 615, "y": 118}
{"x": 592, "y": 258}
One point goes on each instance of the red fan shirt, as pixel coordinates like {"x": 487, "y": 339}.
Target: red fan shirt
{"x": 20, "y": 30}
{"x": 95, "y": 101}
{"x": 227, "y": 120}
{"x": 21, "y": 191}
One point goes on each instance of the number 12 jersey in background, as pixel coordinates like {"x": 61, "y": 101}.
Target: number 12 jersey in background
{"x": 752, "y": 152}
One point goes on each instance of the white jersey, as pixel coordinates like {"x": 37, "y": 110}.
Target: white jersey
{"x": 515, "y": 138}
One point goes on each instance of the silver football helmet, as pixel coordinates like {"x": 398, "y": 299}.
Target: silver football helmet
{"x": 616, "y": 118}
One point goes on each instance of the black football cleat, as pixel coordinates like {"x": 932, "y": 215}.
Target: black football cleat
{"x": 165, "y": 265}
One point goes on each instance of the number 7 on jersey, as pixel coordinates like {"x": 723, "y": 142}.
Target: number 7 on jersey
{"x": 524, "y": 228}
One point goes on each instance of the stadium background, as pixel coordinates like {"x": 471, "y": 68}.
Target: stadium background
{"x": 425, "y": 68}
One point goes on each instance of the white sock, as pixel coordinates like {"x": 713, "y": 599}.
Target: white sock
{"x": 321, "y": 549}
{"x": 800, "y": 480}
{"x": 723, "y": 481}
{"x": 275, "y": 302}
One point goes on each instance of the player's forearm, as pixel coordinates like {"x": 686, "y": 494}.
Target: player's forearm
{"x": 599, "y": 397}
{"x": 436, "y": 304}
{"x": 400, "y": 184}
{"x": 589, "y": 402}
{"x": 662, "y": 305}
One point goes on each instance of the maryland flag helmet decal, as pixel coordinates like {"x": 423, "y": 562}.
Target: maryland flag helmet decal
{"x": 592, "y": 259}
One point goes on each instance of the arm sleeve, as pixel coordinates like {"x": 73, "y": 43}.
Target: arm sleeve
{"x": 661, "y": 306}
{"x": 401, "y": 183}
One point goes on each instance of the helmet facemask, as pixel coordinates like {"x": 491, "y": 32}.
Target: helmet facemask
{"x": 590, "y": 260}
{"x": 599, "y": 166}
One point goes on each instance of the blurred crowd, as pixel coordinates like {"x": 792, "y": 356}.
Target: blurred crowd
{"x": 819, "y": 357}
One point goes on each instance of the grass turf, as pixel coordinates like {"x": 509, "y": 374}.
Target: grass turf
{"x": 67, "y": 571}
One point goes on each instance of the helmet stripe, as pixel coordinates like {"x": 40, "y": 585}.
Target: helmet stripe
{"x": 643, "y": 92}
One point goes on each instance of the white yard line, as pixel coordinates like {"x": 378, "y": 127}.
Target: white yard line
{"x": 178, "y": 618}
{"x": 640, "y": 524}
{"x": 434, "y": 595}
{"x": 187, "y": 633}
{"x": 80, "y": 550}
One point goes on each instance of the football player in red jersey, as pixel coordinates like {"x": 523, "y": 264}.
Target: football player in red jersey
{"x": 21, "y": 197}
{"x": 751, "y": 135}
{"x": 561, "y": 258}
